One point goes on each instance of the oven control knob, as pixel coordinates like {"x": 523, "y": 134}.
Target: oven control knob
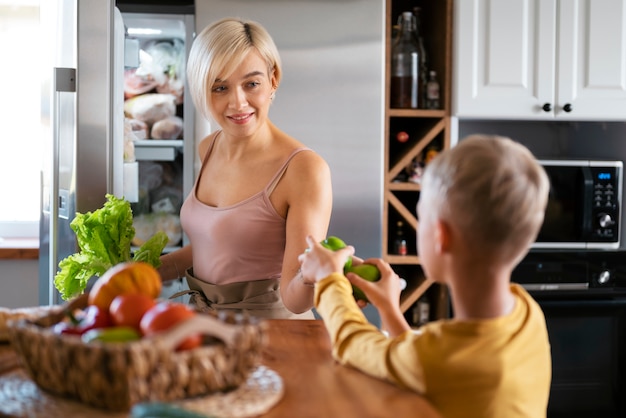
{"x": 604, "y": 277}
{"x": 605, "y": 220}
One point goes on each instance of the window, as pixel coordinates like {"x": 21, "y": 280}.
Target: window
{"x": 20, "y": 127}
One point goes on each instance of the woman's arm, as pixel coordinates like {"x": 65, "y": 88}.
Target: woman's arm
{"x": 309, "y": 198}
{"x": 174, "y": 264}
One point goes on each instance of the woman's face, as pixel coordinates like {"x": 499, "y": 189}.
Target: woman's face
{"x": 240, "y": 103}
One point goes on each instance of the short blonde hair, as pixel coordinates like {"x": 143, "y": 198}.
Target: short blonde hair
{"x": 492, "y": 189}
{"x": 219, "y": 49}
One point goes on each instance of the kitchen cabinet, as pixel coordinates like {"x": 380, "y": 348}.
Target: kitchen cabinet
{"x": 540, "y": 59}
{"x": 428, "y": 131}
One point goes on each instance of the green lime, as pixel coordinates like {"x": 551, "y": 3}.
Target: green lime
{"x": 368, "y": 272}
{"x": 111, "y": 334}
{"x": 334, "y": 243}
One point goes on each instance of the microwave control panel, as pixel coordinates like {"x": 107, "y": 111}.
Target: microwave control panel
{"x": 605, "y": 207}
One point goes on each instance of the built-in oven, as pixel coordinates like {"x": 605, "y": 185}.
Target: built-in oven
{"x": 583, "y": 297}
{"x": 584, "y": 205}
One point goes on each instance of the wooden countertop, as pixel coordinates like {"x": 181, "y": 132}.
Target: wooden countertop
{"x": 315, "y": 384}
{"x": 19, "y": 248}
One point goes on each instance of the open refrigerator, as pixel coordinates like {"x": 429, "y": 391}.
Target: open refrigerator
{"x": 115, "y": 120}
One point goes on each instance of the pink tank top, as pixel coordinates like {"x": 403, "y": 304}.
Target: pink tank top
{"x": 237, "y": 243}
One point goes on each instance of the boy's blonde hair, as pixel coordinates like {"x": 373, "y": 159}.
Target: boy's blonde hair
{"x": 219, "y": 49}
{"x": 493, "y": 190}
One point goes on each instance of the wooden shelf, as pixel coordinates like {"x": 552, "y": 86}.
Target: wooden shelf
{"x": 413, "y": 292}
{"x": 426, "y": 128}
{"x": 416, "y": 113}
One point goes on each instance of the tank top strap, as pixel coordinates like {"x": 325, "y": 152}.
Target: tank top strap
{"x": 208, "y": 151}
{"x": 272, "y": 184}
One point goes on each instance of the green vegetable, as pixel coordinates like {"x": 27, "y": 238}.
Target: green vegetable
{"x": 104, "y": 238}
{"x": 117, "y": 334}
{"x": 334, "y": 243}
{"x": 367, "y": 271}
{"x": 162, "y": 410}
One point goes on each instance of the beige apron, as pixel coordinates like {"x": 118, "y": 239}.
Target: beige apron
{"x": 260, "y": 298}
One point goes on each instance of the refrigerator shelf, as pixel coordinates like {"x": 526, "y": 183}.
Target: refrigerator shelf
{"x": 166, "y": 250}
{"x": 157, "y": 149}
{"x": 176, "y": 143}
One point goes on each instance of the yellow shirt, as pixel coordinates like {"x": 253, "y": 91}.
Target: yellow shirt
{"x": 481, "y": 368}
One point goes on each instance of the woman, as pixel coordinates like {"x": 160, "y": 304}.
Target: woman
{"x": 259, "y": 192}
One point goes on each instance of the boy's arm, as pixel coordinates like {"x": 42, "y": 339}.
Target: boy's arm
{"x": 359, "y": 344}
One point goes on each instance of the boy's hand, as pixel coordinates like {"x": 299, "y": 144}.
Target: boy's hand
{"x": 383, "y": 294}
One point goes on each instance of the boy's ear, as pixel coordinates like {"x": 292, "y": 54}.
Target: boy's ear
{"x": 443, "y": 237}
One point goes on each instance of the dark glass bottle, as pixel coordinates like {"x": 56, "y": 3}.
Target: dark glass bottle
{"x": 406, "y": 89}
{"x": 423, "y": 55}
{"x": 432, "y": 91}
{"x": 399, "y": 244}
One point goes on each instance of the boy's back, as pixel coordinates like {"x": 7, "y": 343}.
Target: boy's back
{"x": 489, "y": 368}
{"x": 480, "y": 208}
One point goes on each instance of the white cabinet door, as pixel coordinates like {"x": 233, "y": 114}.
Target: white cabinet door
{"x": 592, "y": 60}
{"x": 504, "y": 58}
{"x": 528, "y": 59}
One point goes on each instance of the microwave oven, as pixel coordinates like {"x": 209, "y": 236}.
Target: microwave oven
{"x": 584, "y": 205}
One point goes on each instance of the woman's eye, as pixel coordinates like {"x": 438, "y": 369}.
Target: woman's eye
{"x": 253, "y": 84}
{"x": 218, "y": 89}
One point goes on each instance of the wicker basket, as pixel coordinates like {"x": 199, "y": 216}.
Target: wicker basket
{"x": 114, "y": 376}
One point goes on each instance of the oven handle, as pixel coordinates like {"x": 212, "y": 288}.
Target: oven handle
{"x": 583, "y": 303}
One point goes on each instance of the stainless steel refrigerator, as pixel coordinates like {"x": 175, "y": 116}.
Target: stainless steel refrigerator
{"x": 331, "y": 97}
{"x": 86, "y": 47}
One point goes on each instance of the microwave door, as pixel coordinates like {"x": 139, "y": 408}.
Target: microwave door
{"x": 587, "y": 203}
{"x": 563, "y": 217}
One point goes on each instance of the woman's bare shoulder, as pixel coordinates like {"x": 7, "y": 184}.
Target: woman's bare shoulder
{"x": 308, "y": 162}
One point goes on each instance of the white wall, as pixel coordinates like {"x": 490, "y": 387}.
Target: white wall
{"x": 19, "y": 283}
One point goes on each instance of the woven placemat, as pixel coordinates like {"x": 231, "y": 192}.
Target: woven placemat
{"x": 20, "y": 397}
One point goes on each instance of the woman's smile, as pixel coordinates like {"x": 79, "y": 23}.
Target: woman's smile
{"x": 241, "y": 118}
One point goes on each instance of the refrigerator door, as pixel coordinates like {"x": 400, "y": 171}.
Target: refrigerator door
{"x": 82, "y": 115}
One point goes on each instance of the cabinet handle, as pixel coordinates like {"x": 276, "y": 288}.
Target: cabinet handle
{"x": 546, "y": 107}
{"x": 567, "y": 108}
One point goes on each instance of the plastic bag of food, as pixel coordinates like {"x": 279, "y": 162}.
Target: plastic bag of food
{"x": 150, "y": 107}
{"x": 146, "y": 225}
{"x": 168, "y": 128}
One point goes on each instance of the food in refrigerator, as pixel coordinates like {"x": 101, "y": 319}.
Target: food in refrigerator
{"x": 161, "y": 118}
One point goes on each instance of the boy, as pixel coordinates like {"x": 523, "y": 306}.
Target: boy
{"x": 480, "y": 208}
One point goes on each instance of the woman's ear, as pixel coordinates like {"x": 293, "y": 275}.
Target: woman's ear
{"x": 273, "y": 80}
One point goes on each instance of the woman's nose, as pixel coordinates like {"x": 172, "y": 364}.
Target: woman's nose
{"x": 238, "y": 99}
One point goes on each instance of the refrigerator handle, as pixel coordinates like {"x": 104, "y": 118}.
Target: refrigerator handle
{"x": 64, "y": 80}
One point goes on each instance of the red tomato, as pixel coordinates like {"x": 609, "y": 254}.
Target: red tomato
{"x": 165, "y": 315}
{"x": 65, "y": 327}
{"x": 128, "y": 309}
{"x": 91, "y": 317}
